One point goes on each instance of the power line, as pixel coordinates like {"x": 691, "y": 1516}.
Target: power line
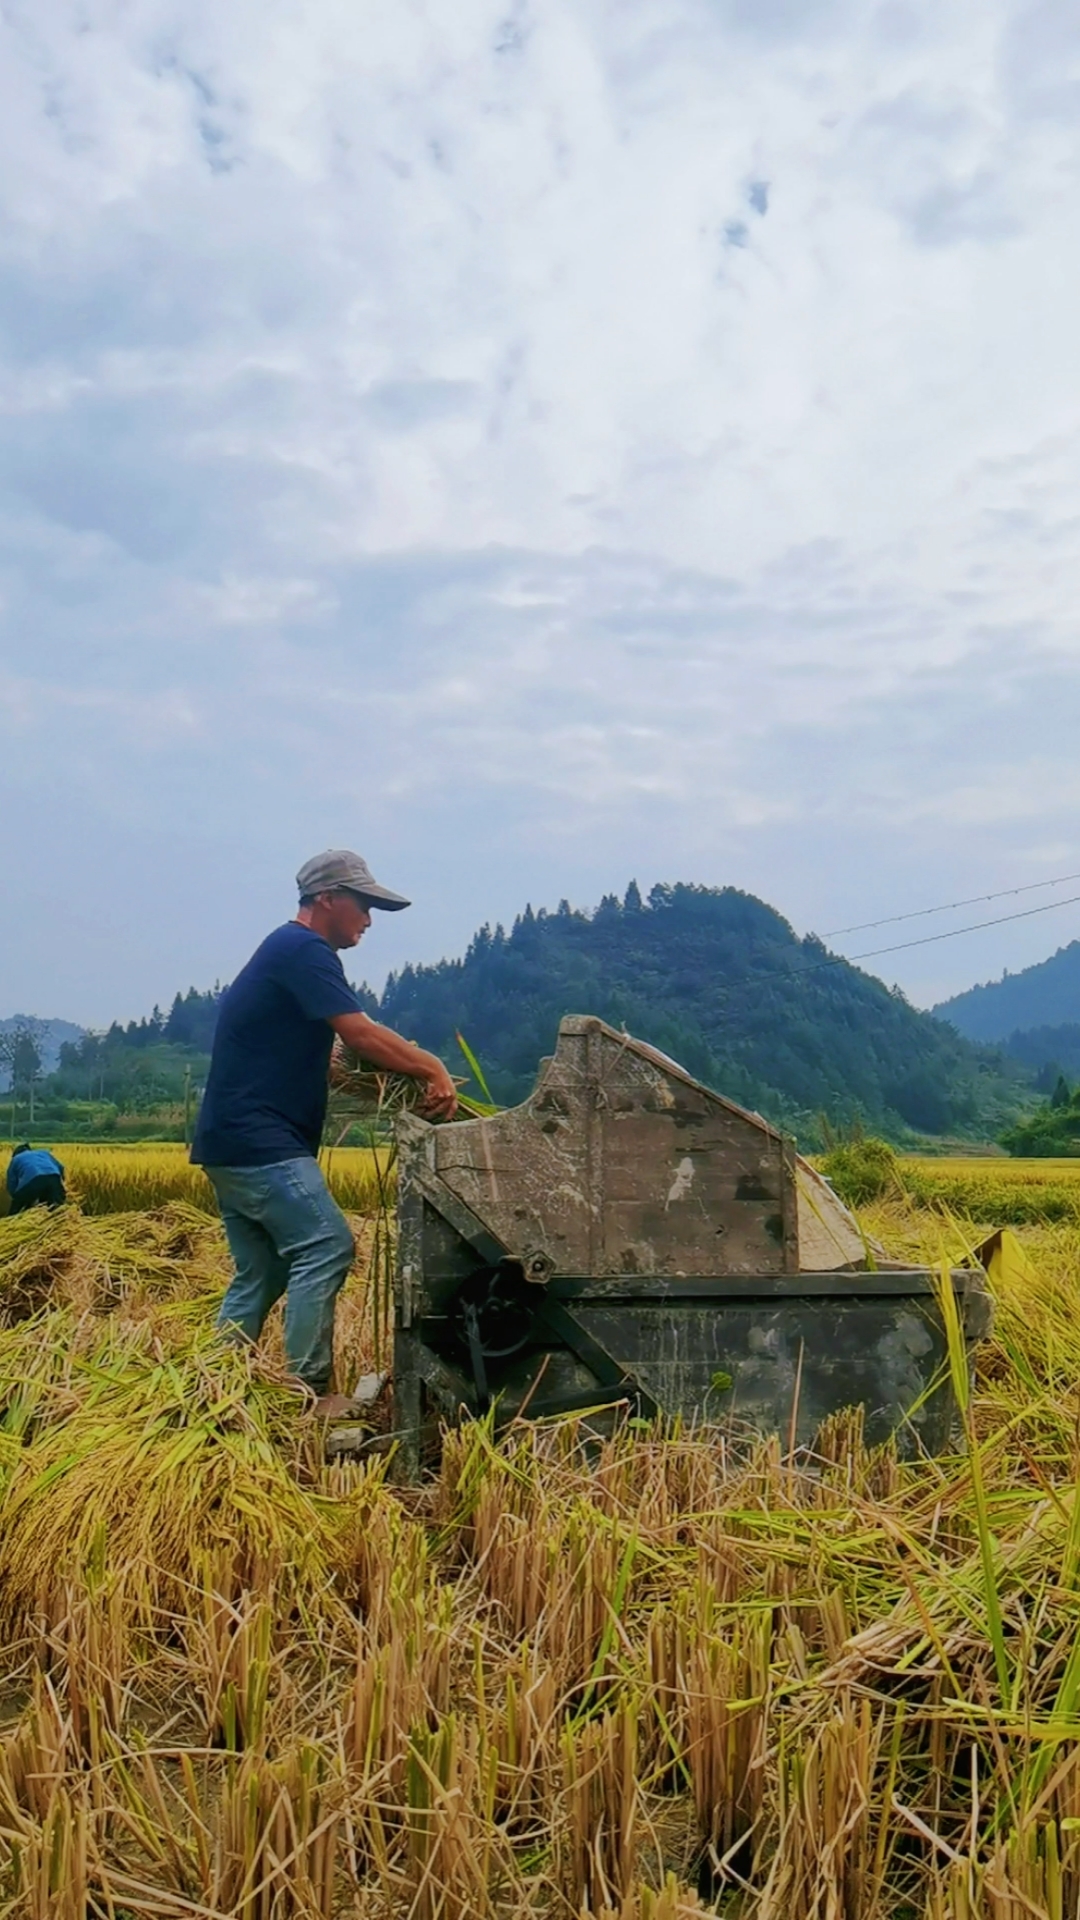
{"x": 950, "y": 906}
{"x": 929, "y": 939}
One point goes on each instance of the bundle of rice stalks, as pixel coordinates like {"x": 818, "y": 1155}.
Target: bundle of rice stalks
{"x": 366, "y": 1097}
{"x": 138, "y": 1466}
{"x": 94, "y": 1265}
{"x": 363, "y": 1093}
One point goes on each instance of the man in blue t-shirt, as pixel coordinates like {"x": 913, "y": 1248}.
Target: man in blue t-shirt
{"x": 35, "y": 1178}
{"x": 262, "y": 1114}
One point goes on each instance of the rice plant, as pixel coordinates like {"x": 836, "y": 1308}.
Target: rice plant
{"x": 636, "y": 1680}
{"x": 122, "y": 1179}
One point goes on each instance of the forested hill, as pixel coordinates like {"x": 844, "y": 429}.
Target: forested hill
{"x": 719, "y": 981}
{"x": 713, "y": 977}
{"x": 1045, "y": 995}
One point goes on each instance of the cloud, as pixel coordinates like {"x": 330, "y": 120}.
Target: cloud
{"x": 541, "y": 445}
{"x": 944, "y": 165}
{"x": 1040, "y": 59}
{"x": 400, "y": 406}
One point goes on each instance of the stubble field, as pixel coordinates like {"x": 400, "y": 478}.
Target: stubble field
{"x": 238, "y": 1681}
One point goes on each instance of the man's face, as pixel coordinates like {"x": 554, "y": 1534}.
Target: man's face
{"x": 348, "y": 918}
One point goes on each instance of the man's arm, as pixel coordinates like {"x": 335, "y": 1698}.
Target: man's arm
{"x": 385, "y": 1048}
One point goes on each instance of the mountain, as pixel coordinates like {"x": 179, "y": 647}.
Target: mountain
{"x": 56, "y": 1033}
{"x": 712, "y": 976}
{"x": 718, "y": 980}
{"x": 1045, "y": 995}
{"x": 1049, "y": 1053}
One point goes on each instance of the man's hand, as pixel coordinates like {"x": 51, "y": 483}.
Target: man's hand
{"x": 440, "y": 1093}
{"x": 385, "y": 1048}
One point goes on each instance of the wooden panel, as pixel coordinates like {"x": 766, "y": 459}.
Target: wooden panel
{"x": 619, "y": 1162}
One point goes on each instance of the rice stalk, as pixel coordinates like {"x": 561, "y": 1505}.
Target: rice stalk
{"x": 560, "y": 1678}
{"x": 599, "y": 1832}
{"x": 122, "y": 1179}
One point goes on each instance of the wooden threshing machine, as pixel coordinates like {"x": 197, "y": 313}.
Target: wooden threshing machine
{"x": 628, "y": 1238}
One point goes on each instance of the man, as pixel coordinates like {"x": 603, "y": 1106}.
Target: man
{"x": 35, "y": 1178}
{"x": 261, "y": 1120}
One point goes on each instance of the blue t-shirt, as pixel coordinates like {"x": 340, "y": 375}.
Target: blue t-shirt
{"x": 266, "y": 1091}
{"x": 30, "y": 1165}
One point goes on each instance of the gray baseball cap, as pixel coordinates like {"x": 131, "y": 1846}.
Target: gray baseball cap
{"x": 339, "y": 868}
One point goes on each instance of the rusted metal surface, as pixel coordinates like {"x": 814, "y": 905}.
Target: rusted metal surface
{"x": 627, "y": 1234}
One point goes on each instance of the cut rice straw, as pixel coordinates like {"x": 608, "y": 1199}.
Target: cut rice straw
{"x": 567, "y": 1676}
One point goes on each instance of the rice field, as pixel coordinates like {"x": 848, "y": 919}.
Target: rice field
{"x": 678, "y": 1675}
{"x": 1007, "y": 1192}
{"x": 117, "y": 1179}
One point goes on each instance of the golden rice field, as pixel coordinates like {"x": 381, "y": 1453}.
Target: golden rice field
{"x": 1006, "y": 1191}
{"x": 675, "y": 1674}
{"x": 113, "y": 1179}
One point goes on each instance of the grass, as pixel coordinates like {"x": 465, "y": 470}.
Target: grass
{"x": 237, "y": 1681}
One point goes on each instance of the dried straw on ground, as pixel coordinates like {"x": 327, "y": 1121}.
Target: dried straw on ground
{"x": 237, "y": 1681}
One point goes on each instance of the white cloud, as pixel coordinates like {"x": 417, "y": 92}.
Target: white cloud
{"x": 637, "y": 436}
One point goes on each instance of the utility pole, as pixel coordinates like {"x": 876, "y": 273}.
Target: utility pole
{"x": 187, "y": 1105}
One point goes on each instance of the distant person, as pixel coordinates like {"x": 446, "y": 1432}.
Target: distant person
{"x": 261, "y": 1120}
{"x": 35, "y": 1178}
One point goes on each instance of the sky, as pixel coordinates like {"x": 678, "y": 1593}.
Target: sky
{"x": 538, "y": 446}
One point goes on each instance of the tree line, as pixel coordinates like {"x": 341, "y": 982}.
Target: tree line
{"x": 714, "y": 977}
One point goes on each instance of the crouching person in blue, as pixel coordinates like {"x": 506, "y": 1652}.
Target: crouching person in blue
{"x": 35, "y": 1178}
{"x": 262, "y": 1114}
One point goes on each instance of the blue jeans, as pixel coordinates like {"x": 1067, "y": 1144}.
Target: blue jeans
{"x": 287, "y": 1236}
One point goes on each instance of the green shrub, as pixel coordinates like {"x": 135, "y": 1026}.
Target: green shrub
{"x": 861, "y": 1170}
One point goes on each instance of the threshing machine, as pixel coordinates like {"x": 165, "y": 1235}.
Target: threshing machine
{"x": 628, "y": 1238}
